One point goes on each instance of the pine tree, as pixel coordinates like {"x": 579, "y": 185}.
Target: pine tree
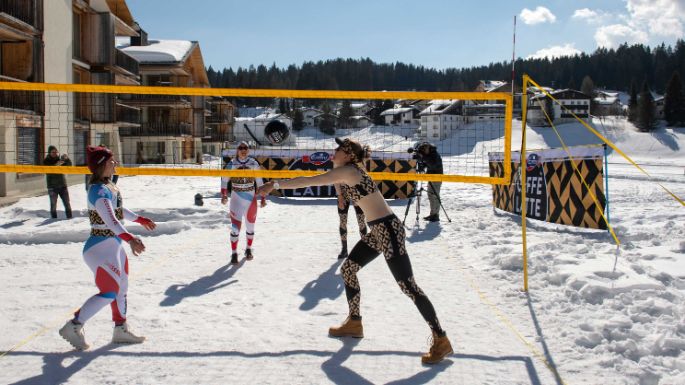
{"x": 386, "y": 105}
{"x": 588, "y": 87}
{"x": 646, "y": 119}
{"x": 281, "y": 106}
{"x": 674, "y": 101}
{"x": 375, "y": 113}
{"x": 298, "y": 119}
{"x": 632, "y": 103}
{"x": 327, "y": 123}
{"x": 345, "y": 114}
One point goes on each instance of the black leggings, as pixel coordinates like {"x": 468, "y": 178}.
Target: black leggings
{"x": 386, "y": 233}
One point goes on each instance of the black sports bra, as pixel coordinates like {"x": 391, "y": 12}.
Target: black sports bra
{"x": 365, "y": 187}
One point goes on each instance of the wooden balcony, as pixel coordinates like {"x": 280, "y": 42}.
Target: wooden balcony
{"x": 25, "y": 101}
{"x": 178, "y": 101}
{"x": 158, "y": 129}
{"x": 24, "y": 16}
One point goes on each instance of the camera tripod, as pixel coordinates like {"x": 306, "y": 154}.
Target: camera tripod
{"x": 417, "y": 194}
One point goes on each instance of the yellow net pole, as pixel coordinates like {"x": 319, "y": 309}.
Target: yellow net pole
{"x": 522, "y": 168}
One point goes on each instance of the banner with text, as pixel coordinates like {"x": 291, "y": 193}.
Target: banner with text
{"x": 321, "y": 161}
{"x": 555, "y": 192}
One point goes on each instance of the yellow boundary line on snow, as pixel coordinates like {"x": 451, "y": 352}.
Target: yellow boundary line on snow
{"x": 302, "y": 94}
{"x": 504, "y": 319}
{"x": 607, "y": 141}
{"x": 56, "y": 321}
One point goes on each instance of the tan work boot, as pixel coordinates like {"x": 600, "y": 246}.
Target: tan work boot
{"x": 349, "y": 328}
{"x": 440, "y": 348}
{"x": 122, "y": 335}
{"x": 73, "y": 333}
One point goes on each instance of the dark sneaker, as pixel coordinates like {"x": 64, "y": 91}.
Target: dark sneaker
{"x": 248, "y": 254}
{"x": 234, "y": 259}
{"x": 432, "y": 218}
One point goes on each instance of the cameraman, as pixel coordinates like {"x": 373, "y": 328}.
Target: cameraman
{"x": 428, "y": 160}
{"x": 57, "y": 183}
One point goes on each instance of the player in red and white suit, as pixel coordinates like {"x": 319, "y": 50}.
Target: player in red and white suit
{"x": 104, "y": 252}
{"x": 243, "y": 199}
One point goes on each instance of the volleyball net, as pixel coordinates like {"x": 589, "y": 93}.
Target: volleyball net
{"x": 187, "y": 131}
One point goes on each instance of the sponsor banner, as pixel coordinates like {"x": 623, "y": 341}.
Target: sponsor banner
{"x": 554, "y": 191}
{"x": 321, "y": 161}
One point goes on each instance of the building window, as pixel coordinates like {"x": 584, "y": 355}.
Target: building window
{"x": 80, "y": 143}
{"x": 76, "y": 36}
{"x": 28, "y": 145}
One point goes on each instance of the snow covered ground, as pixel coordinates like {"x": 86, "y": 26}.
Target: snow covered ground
{"x": 596, "y": 316}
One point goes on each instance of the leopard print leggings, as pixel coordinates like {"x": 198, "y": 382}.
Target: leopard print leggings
{"x": 387, "y": 236}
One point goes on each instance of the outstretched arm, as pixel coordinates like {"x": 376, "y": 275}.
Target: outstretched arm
{"x": 332, "y": 177}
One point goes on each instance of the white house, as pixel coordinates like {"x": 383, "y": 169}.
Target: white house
{"x": 440, "y": 118}
{"x": 572, "y": 101}
{"x": 360, "y": 108}
{"x": 318, "y": 118}
{"x": 308, "y": 115}
{"x": 360, "y": 121}
{"x": 607, "y": 104}
{"x": 404, "y": 116}
{"x": 251, "y": 112}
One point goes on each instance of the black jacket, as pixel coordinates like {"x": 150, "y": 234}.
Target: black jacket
{"x": 55, "y": 180}
{"x": 432, "y": 161}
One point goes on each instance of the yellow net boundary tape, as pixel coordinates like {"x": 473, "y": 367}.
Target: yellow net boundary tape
{"x": 274, "y": 174}
{"x": 304, "y": 94}
{"x": 607, "y": 141}
{"x": 580, "y": 175}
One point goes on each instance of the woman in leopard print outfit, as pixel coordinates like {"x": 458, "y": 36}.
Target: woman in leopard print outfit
{"x": 386, "y": 235}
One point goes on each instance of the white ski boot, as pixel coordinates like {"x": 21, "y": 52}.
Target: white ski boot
{"x": 73, "y": 333}
{"x": 122, "y": 335}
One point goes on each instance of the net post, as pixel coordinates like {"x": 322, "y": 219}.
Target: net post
{"x": 522, "y": 169}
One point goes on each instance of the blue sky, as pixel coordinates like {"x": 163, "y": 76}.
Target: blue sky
{"x": 433, "y": 33}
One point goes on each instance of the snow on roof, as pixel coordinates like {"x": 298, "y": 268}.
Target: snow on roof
{"x": 358, "y": 105}
{"x": 271, "y": 115}
{"x": 438, "y": 107}
{"x": 160, "y": 51}
{"x": 489, "y": 85}
{"x": 394, "y": 111}
{"x": 606, "y": 100}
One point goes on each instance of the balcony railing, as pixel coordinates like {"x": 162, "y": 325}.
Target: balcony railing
{"x": 157, "y": 129}
{"x": 126, "y": 62}
{"x": 212, "y": 136}
{"x": 24, "y": 10}
{"x": 156, "y": 99}
{"x": 21, "y": 100}
{"x": 128, "y": 114}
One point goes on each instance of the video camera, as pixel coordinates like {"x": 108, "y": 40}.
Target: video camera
{"x": 418, "y": 156}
